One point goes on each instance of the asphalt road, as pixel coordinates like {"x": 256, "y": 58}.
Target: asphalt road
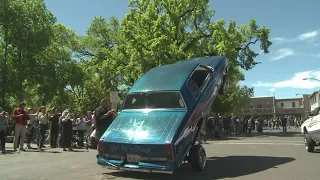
{"x": 273, "y": 156}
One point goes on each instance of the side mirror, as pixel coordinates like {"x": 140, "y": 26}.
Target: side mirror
{"x": 310, "y": 115}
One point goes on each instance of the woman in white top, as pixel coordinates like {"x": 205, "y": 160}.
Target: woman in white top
{"x": 81, "y": 130}
{"x": 43, "y": 122}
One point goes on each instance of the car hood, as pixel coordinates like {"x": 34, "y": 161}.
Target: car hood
{"x": 144, "y": 127}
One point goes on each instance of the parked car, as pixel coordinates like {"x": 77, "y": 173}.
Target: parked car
{"x": 311, "y": 130}
{"x": 159, "y": 126}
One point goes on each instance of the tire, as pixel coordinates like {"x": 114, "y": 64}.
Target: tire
{"x": 225, "y": 85}
{"x": 197, "y": 157}
{"x": 309, "y": 143}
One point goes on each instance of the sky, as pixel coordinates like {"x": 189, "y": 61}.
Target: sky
{"x": 295, "y": 33}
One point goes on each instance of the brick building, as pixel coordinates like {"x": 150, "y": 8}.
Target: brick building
{"x": 269, "y": 106}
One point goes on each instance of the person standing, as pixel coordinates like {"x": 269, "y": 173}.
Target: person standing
{"x": 103, "y": 118}
{"x": 245, "y": 125}
{"x": 226, "y": 124}
{"x": 21, "y": 117}
{"x": 3, "y": 123}
{"x": 88, "y": 121}
{"x": 43, "y": 123}
{"x": 81, "y": 130}
{"x": 250, "y": 122}
{"x": 75, "y": 123}
{"x": 288, "y": 122}
{"x": 93, "y": 119}
{"x": 54, "y": 129}
{"x": 30, "y": 127}
{"x": 284, "y": 123}
{"x": 66, "y": 122}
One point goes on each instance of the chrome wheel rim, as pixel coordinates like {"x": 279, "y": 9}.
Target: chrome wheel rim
{"x": 202, "y": 158}
{"x": 306, "y": 143}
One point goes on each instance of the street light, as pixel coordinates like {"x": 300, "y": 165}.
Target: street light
{"x": 311, "y": 79}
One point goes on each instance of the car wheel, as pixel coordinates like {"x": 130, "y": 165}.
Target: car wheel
{"x": 198, "y": 157}
{"x": 225, "y": 86}
{"x": 309, "y": 143}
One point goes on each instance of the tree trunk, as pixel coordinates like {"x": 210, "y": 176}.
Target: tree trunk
{"x": 20, "y": 92}
{"x": 4, "y": 77}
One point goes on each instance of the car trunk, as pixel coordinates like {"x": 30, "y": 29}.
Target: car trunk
{"x": 141, "y": 136}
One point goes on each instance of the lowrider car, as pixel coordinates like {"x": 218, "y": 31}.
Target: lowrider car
{"x": 311, "y": 130}
{"x": 159, "y": 126}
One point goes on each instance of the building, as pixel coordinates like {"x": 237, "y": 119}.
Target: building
{"x": 314, "y": 99}
{"x": 307, "y": 105}
{"x": 270, "y": 106}
{"x": 292, "y": 106}
{"x": 260, "y": 106}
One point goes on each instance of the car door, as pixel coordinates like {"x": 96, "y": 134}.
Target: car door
{"x": 314, "y": 125}
{"x": 201, "y": 78}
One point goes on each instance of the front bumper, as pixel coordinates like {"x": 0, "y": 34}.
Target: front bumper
{"x": 130, "y": 167}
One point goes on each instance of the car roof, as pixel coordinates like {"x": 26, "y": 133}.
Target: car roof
{"x": 171, "y": 77}
{"x": 212, "y": 61}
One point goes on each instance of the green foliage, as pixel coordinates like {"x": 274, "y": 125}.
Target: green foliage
{"x": 49, "y": 64}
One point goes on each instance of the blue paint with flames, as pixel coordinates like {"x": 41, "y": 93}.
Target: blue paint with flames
{"x": 147, "y": 133}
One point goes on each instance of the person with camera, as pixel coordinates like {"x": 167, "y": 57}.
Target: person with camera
{"x": 54, "y": 128}
{"x": 21, "y": 118}
{"x": 66, "y": 122}
{"x": 104, "y": 118}
{"x": 3, "y": 124}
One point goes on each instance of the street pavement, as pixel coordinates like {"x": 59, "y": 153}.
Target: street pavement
{"x": 272, "y": 156}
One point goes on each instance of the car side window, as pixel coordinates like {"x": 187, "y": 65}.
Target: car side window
{"x": 200, "y": 76}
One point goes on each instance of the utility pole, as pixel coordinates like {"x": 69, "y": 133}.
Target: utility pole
{"x": 4, "y": 76}
{"x": 274, "y": 104}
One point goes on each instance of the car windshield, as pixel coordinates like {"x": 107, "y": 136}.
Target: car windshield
{"x": 154, "y": 100}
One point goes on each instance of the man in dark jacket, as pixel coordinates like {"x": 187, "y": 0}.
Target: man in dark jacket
{"x": 54, "y": 129}
{"x": 103, "y": 118}
{"x": 284, "y": 123}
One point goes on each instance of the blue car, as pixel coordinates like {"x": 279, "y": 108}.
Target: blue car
{"x": 163, "y": 113}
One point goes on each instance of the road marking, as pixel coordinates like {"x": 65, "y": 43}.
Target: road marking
{"x": 259, "y": 143}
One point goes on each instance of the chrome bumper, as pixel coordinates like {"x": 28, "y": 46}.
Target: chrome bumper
{"x": 113, "y": 167}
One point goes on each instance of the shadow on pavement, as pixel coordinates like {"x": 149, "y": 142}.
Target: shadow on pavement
{"x": 45, "y": 151}
{"x": 281, "y": 134}
{"x": 76, "y": 151}
{"x": 9, "y": 152}
{"x": 230, "y": 138}
{"x": 216, "y": 168}
{"x": 317, "y": 151}
{"x": 268, "y": 134}
{"x": 224, "y": 139}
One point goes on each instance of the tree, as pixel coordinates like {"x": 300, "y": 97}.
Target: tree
{"x": 41, "y": 65}
{"x": 159, "y": 32}
{"x": 29, "y": 26}
{"x": 101, "y": 45}
{"x": 47, "y": 63}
